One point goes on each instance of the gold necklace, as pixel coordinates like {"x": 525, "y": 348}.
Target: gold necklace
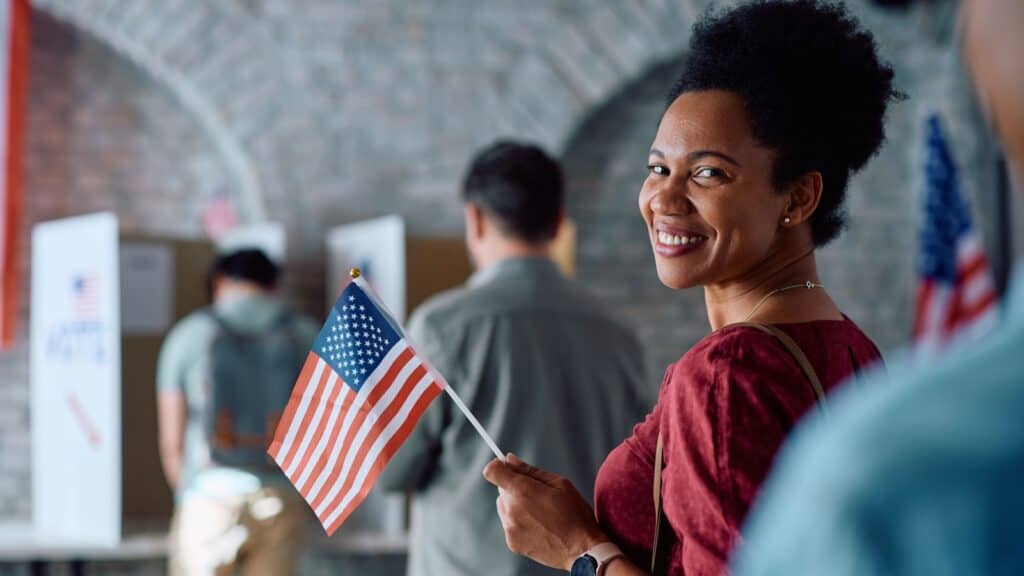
{"x": 809, "y": 285}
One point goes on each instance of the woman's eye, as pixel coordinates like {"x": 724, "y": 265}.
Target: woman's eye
{"x": 657, "y": 169}
{"x": 707, "y": 173}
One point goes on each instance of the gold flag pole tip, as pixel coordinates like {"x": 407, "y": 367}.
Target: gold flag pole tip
{"x": 355, "y": 273}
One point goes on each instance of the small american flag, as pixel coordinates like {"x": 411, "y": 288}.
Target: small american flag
{"x": 219, "y": 215}
{"x": 360, "y": 393}
{"x": 84, "y": 298}
{"x": 956, "y": 298}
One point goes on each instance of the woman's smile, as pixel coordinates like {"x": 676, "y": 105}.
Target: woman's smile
{"x": 670, "y": 241}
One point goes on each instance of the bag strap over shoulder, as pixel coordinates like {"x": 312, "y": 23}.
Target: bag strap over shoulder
{"x": 801, "y": 359}
{"x": 283, "y": 320}
{"x": 222, "y": 325}
{"x": 658, "y": 549}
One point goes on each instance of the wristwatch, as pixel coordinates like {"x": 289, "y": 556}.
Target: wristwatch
{"x": 595, "y": 561}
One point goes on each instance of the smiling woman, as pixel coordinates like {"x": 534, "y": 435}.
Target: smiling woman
{"x": 778, "y": 105}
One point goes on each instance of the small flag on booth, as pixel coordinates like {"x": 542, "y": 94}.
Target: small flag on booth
{"x": 219, "y": 216}
{"x": 362, "y": 390}
{"x": 956, "y": 298}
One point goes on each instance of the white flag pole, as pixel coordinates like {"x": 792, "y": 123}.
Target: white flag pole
{"x": 358, "y": 279}
{"x": 476, "y": 423}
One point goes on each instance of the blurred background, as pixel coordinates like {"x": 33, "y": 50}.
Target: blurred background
{"x": 187, "y": 118}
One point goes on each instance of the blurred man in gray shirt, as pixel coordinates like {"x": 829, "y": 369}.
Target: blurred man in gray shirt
{"x": 543, "y": 365}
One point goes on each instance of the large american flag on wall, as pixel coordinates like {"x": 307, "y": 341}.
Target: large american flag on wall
{"x": 956, "y": 298}
{"x": 360, "y": 393}
{"x": 14, "y": 28}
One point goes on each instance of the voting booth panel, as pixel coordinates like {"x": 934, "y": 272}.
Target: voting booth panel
{"x": 101, "y": 304}
{"x": 162, "y": 281}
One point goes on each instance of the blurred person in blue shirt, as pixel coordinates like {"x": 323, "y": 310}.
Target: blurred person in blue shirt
{"x": 224, "y": 375}
{"x": 920, "y": 471}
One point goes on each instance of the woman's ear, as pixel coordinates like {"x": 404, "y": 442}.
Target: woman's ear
{"x": 804, "y": 196}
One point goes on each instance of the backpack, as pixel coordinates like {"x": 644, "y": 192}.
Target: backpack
{"x": 249, "y": 381}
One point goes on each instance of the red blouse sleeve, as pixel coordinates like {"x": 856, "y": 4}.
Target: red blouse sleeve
{"x": 727, "y": 408}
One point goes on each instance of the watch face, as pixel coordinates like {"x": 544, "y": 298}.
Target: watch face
{"x": 585, "y": 565}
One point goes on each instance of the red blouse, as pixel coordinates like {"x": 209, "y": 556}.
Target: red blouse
{"x": 724, "y": 409}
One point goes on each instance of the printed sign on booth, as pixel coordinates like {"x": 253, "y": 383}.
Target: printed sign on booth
{"x": 75, "y": 379}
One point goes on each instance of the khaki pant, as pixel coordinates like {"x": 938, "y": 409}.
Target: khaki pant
{"x": 258, "y": 534}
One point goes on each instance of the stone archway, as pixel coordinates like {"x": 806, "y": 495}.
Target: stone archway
{"x": 133, "y": 30}
{"x": 230, "y": 65}
{"x": 605, "y": 164}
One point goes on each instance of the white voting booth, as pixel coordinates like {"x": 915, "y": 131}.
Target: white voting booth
{"x": 100, "y": 305}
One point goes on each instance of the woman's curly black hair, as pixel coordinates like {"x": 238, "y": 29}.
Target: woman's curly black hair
{"x": 814, "y": 88}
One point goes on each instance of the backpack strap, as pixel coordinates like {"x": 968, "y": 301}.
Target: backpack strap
{"x": 222, "y": 324}
{"x": 660, "y": 545}
{"x": 284, "y": 320}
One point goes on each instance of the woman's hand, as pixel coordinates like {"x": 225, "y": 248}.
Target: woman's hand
{"x": 545, "y": 518}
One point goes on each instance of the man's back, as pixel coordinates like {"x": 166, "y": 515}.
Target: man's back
{"x": 549, "y": 374}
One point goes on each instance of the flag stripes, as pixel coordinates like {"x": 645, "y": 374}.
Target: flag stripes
{"x": 956, "y": 297}
{"x": 360, "y": 393}
{"x": 397, "y": 431}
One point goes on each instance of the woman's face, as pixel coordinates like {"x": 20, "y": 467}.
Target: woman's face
{"x": 710, "y": 207}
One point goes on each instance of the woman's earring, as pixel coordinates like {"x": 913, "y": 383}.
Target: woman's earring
{"x": 786, "y": 220}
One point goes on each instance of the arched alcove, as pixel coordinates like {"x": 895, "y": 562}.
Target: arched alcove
{"x": 605, "y": 164}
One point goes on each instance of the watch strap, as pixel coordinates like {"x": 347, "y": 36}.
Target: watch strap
{"x": 604, "y": 553}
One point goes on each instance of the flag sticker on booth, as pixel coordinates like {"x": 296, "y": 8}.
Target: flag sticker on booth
{"x": 84, "y": 298}
{"x": 360, "y": 393}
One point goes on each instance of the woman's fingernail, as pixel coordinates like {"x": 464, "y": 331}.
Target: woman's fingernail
{"x": 513, "y": 459}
